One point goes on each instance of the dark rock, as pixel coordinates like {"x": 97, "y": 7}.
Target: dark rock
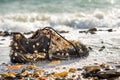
{"x": 93, "y": 29}
{"x": 27, "y": 33}
{"x": 102, "y": 48}
{"x": 110, "y": 30}
{"x": 63, "y": 31}
{"x": 102, "y": 73}
{"x": 9, "y": 78}
{"x": 92, "y": 68}
{"x": 82, "y": 32}
{"x": 102, "y": 42}
{"x": 5, "y": 33}
{"x": 64, "y": 67}
{"x": 79, "y": 69}
{"x": 90, "y": 48}
{"x": 108, "y": 74}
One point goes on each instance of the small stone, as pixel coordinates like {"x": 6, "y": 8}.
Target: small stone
{"x": 55, "y": 62}
{"x": 91, "y": 68}
{"x": 110, "y": 30}
{"x": 103, "y": 65}
{"x": 90, "y": 48}
{"x": 73, "y": 76}
{"x": 108, "y": 74}
{"x": 82, "y": 31}
{"x": 102, "y": 48}
{"x": 38, "y": 72}
{"x": 5, "y": 33}
{"x": 72, "y": 70}
{"x": 61, "y": 74}
{"x": 93, "y": 29}
{"x": 62, "y": 31}
{"x": 79, "y": 69}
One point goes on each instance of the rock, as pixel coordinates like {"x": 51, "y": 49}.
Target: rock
{"x": 108, "y": 74}
{"x": 82, "y": 31}
{"x": 102, "y": 48}
{"x": 27, "y": 33}
{"x": 61, "y": 74}
{"x": 92, "y": 30}
{"x": 5, "y": 33}
{"x": 105, "y": 66}
{"x": 79, "y": 69}
{"x": 90, "y": 71}
{"x": 24, "y": 73}
{"x": 72, "y": 70}
{"x": 38, "y": 72}
{"x": 102, "y": 71}
{"x": 90, "y": 48}
{"x": 110, "y": 30}
{"x": 92, "y": 68}
{"x": 63, "y": 31}
{"x": 102, "y": 42}
{"x": 55, "y": 62}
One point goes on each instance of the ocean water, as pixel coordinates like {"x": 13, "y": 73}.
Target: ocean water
{"x": 29, "y": 15}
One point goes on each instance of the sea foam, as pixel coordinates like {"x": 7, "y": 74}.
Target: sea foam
{"x": 24, "y": 22}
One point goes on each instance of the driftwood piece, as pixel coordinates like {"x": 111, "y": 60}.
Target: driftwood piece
{"x": 45, "y": 44}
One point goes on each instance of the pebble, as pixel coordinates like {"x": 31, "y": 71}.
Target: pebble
{"x": 72, "y": 70}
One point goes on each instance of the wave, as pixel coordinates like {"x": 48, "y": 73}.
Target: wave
{"x": 24, "y": 22}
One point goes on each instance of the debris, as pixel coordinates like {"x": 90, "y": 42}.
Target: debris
{"x": 45, "y": 44}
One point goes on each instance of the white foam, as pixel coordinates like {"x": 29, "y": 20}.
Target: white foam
{"x": 32, "y": 21}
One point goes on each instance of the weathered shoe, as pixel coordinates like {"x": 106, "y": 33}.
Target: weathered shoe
{"x": 45, "y": 44}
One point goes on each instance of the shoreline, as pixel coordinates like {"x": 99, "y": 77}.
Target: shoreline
{"x": 108, "y": 55}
